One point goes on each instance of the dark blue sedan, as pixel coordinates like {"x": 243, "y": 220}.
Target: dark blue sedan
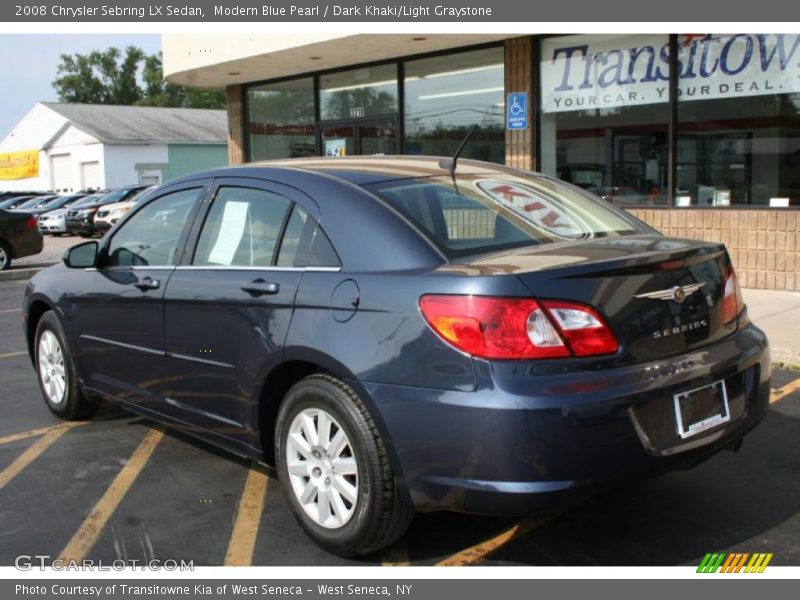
{"x": 394, "y": 336}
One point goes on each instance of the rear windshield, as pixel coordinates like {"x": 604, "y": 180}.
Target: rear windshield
{"x": 498, "y": 211}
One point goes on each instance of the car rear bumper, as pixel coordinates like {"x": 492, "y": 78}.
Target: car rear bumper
{"x": 530, "y": 438}
{"x": 27, "y": 244}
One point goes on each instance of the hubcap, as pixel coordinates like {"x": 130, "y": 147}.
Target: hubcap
{"x": 322, "y": 468}
{"x": 3, "y": 257}
{"x": 51, "y": 368}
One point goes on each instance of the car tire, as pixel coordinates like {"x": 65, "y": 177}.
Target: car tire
{"x": 5, "y": 256}
{"x": 56, "y": 234}
{"x": 55, "y": 368}
{"x": 84, "y": 235}
{"x": 364, "y": 516}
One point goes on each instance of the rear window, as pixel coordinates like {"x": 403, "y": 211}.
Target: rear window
{"x": 497, "y": 211}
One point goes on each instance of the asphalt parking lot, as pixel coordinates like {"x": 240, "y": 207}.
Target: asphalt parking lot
{"x": 122, "y": 487}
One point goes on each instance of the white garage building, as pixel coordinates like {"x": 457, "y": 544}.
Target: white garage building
{"x": 89, "y": 146}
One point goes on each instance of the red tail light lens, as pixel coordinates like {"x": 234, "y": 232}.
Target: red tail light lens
{"x": 31, "y": 223}
{"x": 584, "y": 329}
{"x": 732, "y": 301}
{"x": 517, "y": 328}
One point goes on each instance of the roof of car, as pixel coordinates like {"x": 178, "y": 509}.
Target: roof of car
{"x": 360, "y": 170}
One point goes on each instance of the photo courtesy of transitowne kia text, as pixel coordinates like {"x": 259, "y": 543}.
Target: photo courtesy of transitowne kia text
{"x": 266, "y": 10}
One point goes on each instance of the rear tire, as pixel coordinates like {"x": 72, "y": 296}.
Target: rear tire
{"x": 342, "y": 490}
{"x": 58, "y": 378}
{"x": 5, "y": 256}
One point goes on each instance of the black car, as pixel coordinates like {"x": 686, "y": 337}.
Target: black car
{"x": 405, "y": 334}
{"x": 80, "y": 220}
{"x": 19, "y": 237}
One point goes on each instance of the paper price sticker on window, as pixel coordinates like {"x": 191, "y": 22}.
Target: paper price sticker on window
{"x": 537, "y": 209}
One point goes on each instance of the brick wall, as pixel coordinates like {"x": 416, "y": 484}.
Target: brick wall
{"x": 235, "y": 124}
{"x": 520, "y": 149}
{"x": 764, "y": 244}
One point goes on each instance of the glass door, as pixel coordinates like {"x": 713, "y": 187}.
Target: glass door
{"x": 360, "y": 137}
{"x": 377, "y": 137}
{"x": 338, "y": 140}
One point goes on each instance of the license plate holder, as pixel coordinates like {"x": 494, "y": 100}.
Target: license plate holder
{"x": 700, "y": 409}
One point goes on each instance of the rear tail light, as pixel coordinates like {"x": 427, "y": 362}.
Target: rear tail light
{"x": 583, "y": 328}
{"x": 31, "y": 223}
{"x": 732, "y": 301}
{"x": 518, "y": 328}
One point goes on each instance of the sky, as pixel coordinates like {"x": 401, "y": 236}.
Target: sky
{"x": 29, "y": 66}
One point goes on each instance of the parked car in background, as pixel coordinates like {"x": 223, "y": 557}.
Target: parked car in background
{"x": 54, "y": 221}
{"x": 109, "y": 214}
{"x": 403, "y": 334}
{"x": 80, "y": 220}
{"x": 14, "y": 201}
{"x": 19, "y": 237}
{"x": 53, "y": 203}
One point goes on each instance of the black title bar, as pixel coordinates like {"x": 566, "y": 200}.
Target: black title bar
{"x": 382, "y": 11}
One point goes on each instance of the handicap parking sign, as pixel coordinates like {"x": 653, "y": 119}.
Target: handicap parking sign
{"x": 517, "y": 111}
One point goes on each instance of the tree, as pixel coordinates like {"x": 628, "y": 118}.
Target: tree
{"x": 135, "y": 78}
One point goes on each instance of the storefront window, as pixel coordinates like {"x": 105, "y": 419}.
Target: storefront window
{"x": 738, "y": 120}
{"x": 280, "y": 120}
{"x": 446, "y": 95}
{"x": 362, "y": 92}
{"x": 605, "y": 112}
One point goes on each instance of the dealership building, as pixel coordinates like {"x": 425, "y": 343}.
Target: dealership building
{"x": 698, "y": 135}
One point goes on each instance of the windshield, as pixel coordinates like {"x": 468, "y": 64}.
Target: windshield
{"x": 497, "y": 211}
{"x": 29, "y": 203}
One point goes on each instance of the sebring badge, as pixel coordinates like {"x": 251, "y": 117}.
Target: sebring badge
{"x": 679, "y": 293}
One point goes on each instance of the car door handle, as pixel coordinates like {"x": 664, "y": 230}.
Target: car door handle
{"x": 147, "y": 283}
{"x": 259, "y": 287}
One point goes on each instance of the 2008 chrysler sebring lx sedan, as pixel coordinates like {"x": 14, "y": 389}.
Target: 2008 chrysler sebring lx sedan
{"x": 395, "y": 335}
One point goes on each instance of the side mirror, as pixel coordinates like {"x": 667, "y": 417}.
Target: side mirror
{"x": 81, "y": 256}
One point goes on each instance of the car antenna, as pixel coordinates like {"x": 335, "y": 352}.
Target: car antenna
{"x": 449, "y": 164}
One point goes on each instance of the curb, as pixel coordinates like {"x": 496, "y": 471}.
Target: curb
{"x": 19, "y": 274}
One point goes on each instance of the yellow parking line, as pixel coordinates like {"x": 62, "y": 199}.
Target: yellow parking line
{"x": 24, "y": 435}
{"x": 89, "y": 532}
{"x": 396, "y": 555}
{"x": 248, "y": 519}
{"x": 475, "y": 554}
{"x": 31, "y": 454}
{"x": 781, "y": 393}
{"x": 13, "y": 354}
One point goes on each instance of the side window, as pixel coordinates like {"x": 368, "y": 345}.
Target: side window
{"x": 297, "y": 229}
{"x": 150, "y": 237}
{"x": 304, "y": 244}
{"x": 242, "y": 228}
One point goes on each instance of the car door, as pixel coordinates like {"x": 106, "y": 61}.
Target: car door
{"x": 119, "y": 314}
{"x": 228, "y": 308}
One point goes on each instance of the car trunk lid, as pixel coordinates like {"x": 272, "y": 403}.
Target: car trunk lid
{"x": 661, "y": 296}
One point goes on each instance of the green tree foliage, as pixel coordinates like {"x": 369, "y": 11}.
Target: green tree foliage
{"x": 129, "y": 78}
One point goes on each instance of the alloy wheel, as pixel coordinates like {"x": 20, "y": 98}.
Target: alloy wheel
{"x": 52, "y": 371}
{"x": 322, "y": 467}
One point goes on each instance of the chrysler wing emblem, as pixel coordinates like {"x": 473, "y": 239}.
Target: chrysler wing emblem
{"x": 679, "y": 293}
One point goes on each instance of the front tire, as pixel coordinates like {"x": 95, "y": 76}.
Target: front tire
{"x": 5, "y": 256}
{"x": 58, "y": 378}
{"x": 335, "y": 471}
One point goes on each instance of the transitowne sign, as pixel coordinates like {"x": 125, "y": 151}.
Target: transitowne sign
{"x": 600, "y": 71}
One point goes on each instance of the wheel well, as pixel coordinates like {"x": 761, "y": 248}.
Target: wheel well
{"x": 275, "y": 387}
{"x": 35, "y": 312}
